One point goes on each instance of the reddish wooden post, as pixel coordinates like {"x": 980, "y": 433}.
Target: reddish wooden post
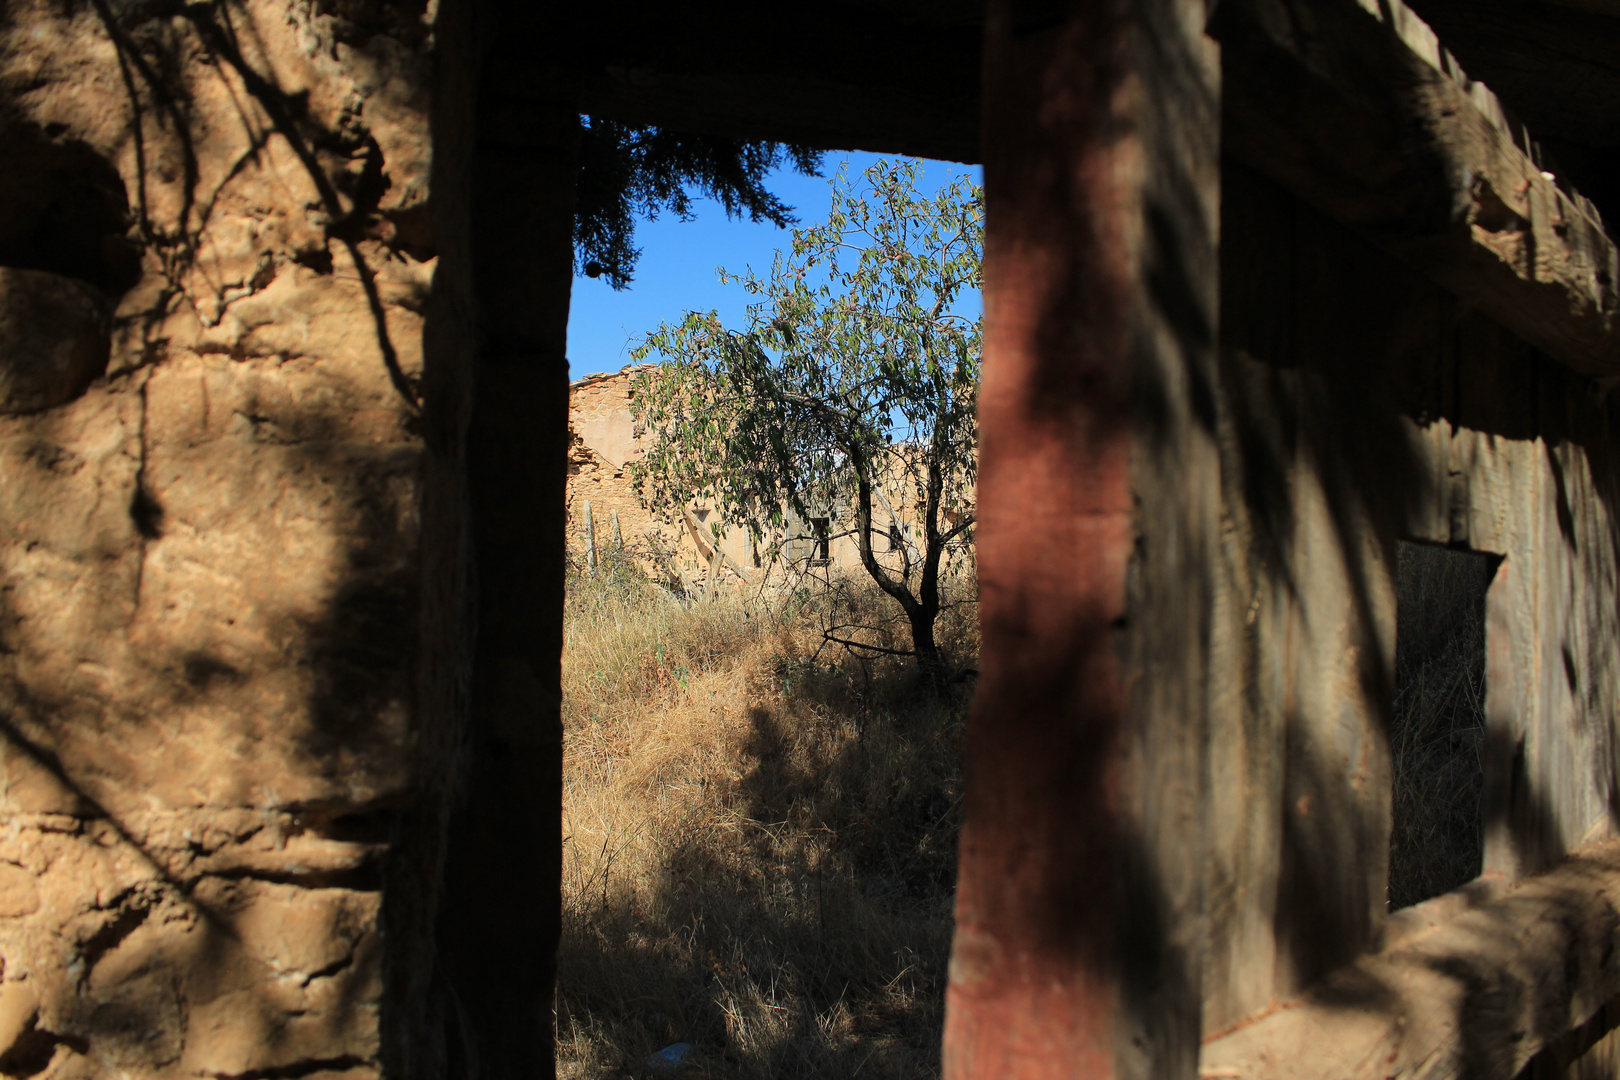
{"x": 1077, "y": 948}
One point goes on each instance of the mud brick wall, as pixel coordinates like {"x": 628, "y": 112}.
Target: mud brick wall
{"x": 604, "y": 441}
{"x": 215, "y": 258}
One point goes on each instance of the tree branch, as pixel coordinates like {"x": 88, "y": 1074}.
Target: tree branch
{"x": 960, "y": 527}
{"x": 714, "y": 547}
{"x": 863, "y": 541}
{"x": 851, "y": 644}
{"x": 905, "y": 548}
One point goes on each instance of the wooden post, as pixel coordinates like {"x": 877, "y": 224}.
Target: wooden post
{"x": 714, "y": 574}
{"x": 1077, "y": 950}
{"x": 618, "y": 537}
{"x": 501, "y": 914}
{"x": 590, "y": 537}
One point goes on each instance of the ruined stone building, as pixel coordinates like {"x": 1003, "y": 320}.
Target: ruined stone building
{"x": 1281, "y": 298}
{"x": 606, "y": 508}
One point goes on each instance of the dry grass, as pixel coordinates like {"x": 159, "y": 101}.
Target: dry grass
{"x": 1438, "y": 732}
{"x": 760, "y": 840}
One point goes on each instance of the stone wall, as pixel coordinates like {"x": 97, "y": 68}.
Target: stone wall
{"x": 605, "y": 441}
{"x": 209, "y": 557}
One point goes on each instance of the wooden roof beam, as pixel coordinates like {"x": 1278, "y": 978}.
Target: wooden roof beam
{"x": 1356, "y": 107}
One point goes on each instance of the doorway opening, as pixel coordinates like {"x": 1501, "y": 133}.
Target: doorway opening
{"x": 761, "y": 793}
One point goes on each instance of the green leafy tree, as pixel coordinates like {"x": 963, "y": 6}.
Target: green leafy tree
{"x": 628, "y": 171}
{"x": 857, "y": 372}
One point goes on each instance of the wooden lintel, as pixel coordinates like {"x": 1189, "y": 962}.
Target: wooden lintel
{"x": 1356, "y": 107}
{"x": 1476, "y": 995}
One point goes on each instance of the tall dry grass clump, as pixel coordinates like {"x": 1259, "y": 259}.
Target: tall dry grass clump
{"x": 760, "y": 834}
{"x": 1437, "y": 734}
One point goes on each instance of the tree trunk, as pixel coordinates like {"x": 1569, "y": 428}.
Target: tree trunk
{"x": 929, "y": 661}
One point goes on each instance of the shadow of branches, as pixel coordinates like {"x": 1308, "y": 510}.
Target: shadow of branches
{"x": 1353, "y": 395}
{"x": 761, "y": 846}
{"x": 152, "y": 54}
{"x": 241, "y": 521}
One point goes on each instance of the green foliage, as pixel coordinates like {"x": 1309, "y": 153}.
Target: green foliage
{"x": 855, "y": 329}
{"x": 630, "y": 170}
{"x": 855, "y": 369}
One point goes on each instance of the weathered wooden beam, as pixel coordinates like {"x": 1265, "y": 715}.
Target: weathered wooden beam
{"x": 1553, "y": 61}
{"x": 1476, "y": 994}
{"x": 504, "y": 857}
{"x": 1355, "y": 106}
{"x": 1079, "y": 907}
{"x": 904, "y": 78}
{"x": 794, "y": 107}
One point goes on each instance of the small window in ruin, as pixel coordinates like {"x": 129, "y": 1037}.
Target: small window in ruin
{"x": 1437, "y": 727}
{"x": 821, "y": 537}
{"x": 896, "y": 542}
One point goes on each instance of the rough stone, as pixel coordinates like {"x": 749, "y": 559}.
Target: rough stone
{"x": 213, "y": 278}
{"x": 18, "y": 1010}
{"x": 18, "y": 894}
{"x": 53, "y": 339}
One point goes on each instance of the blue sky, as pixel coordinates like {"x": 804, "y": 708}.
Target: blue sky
{"x": 676, "y": 271}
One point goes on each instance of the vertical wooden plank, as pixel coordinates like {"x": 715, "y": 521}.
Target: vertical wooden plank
{"x": 502, "y": 896}
{"x": 1354, "y": 481}
{"x": 1595, "y": 487}
{"x": 590, "y": 537}
{"x": 1535, "y": 460}
{"x": 1589, "y": 1052}
{"x": 1078, "y": 906}
{"x": 1543, "y": 802}
{"x": 1494, "y": 456}
{"x": 1577, "y": 566}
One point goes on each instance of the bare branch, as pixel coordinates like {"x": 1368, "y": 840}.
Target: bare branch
{"x": 961, "y": 527}
{"x": 878, "y": 649}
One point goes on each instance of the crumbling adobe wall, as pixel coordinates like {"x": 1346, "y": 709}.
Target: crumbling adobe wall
{"x": 604, "y": 440}
{"x": 214, "y": 264}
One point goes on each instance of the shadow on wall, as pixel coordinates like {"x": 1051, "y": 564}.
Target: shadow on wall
{"x": 1335, "y": 368}
{"x": 210, "y": 574}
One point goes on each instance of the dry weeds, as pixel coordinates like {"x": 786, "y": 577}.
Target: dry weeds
{"x": 759, "y": 853}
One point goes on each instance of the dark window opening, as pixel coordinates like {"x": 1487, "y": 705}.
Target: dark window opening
{"x": 895, "y": 540}
{"x": 821, "y": 538}
{"x": 1437, "y": 726}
